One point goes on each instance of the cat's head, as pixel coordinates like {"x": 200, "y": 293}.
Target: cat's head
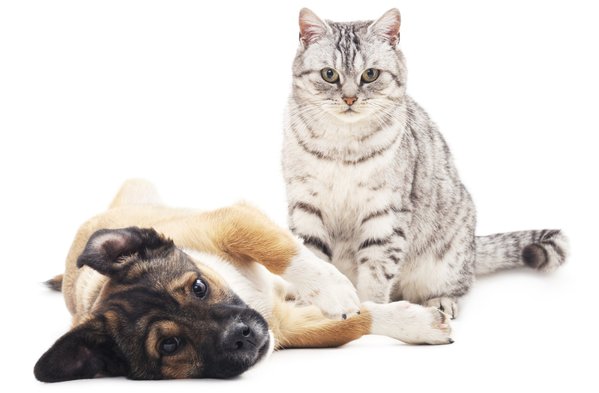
{"x": 351, "y": 70}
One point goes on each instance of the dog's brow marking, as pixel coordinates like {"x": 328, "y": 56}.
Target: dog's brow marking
{"x": 179, "y": 287}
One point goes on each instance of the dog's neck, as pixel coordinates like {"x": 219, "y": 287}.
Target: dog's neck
{"x": 255, "y": 285}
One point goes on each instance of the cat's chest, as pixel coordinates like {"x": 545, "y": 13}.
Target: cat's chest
{"x": 344, "y": 193}
{"x": 343, "y": 181}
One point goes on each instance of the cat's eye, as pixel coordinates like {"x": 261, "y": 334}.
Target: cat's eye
{"x": 370, "y": 75}
{"x": 169, "y": 346}
{"x": 199, "y": 288}
{"x": 329, "y": 75}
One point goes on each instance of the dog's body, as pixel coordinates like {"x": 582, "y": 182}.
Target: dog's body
{"x": 234, "y": 287}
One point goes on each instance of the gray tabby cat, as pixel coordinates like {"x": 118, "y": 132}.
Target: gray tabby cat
{"x": 371, "y": 183}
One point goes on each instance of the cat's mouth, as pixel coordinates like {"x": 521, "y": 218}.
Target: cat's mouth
{"x": 350, "y": 115}
{"x": 349, "y": 112}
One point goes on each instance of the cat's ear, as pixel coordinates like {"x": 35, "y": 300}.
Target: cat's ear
{"x": 387, "y": 26}
{"x": 312, "y": 28}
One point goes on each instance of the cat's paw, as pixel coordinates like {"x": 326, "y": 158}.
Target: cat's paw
{"x": 410, "y": 323}
{"x": 371, "y": 290}
{"x": 314, "y": 281}
{"x": 446, "y": 305}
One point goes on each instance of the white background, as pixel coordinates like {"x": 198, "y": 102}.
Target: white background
{"x": 191, "y": 94}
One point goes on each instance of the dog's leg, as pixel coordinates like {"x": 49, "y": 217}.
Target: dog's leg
{"x": 306, "y": 327}
{"x": 242, "y": 234}
{"x": 136, "y": 192}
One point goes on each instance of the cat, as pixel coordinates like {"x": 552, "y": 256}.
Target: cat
{"x": 370, "y": 181}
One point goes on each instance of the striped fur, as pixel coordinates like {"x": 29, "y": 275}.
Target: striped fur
{"x": 372, "y": 186}
{"x": 544, "y": 250}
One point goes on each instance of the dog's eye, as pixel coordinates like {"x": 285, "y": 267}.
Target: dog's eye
{"x": 199, "y": 288}
{"x": 169, "y": 346}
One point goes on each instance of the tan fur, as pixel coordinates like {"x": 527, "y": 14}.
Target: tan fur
{"x": 136, "y": 192}
{"x": 240, "y": 234}
{"x": 181, "y": 288}
{"x": 245, "y": 234}
{"x": 306, "y": 327}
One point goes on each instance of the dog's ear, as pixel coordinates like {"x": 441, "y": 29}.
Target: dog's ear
{"x": 87, "y": 351}
{"x": 107, "y": 249}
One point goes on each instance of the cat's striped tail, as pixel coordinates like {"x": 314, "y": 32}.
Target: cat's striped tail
{"x": 544, "y": 250}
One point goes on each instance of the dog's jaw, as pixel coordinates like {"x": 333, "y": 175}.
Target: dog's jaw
{"x": 271, "y": 345}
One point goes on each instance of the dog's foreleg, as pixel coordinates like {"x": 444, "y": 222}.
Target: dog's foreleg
{"x": 307, "y": 327}
{"x": 242, "y": 234}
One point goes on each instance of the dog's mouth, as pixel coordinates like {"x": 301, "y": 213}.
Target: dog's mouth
{"x": 235, "y": 356}
{"x": 232, "y": 365}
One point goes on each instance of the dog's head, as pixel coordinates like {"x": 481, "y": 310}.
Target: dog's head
{"x": 158, "y": 316}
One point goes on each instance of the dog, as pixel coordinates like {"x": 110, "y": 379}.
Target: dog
{"x": 158, "y": 293}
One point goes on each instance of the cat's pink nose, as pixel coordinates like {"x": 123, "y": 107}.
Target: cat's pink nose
{"x": 350, "y": 100}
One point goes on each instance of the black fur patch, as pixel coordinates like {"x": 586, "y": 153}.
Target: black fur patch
{"x": 84, "y": 352}
{"x": 308, "y": 208}
{"x": 535, "y": 256}
{"x": 106, "y": 247}
{"x": 318, "y": 243}
{"x": 373, "y": 242}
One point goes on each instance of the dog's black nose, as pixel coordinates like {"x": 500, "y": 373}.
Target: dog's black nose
{"x": 239, "y": 337}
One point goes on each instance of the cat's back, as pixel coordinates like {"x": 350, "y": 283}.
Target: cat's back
{"x": 434, "y": 171}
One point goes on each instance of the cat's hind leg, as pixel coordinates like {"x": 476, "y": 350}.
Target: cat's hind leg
{"x": 439, "y": 277}
{"x": 445, "y": 304}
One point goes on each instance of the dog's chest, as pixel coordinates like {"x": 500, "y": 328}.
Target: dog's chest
{"x": 255, "y": 285}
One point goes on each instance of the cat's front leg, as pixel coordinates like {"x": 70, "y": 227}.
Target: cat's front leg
{"x": 379, "y": 255}
{"x": 322, "y": 284}
{"x": 306, "y": 222}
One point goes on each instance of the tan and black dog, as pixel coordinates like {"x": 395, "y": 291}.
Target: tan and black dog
{"x": 222, "y": 294}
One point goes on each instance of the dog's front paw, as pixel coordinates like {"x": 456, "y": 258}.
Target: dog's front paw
{"x": 319, "y": 283}
{"x": 410, "y": 323}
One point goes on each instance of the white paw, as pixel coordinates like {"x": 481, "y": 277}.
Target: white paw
{"x": 410, "y": 323}
{"x": 319, "y": 283}
{"x": 446, "y": 305}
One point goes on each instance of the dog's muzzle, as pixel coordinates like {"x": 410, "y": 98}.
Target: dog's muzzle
{"x": 244, "y": 340}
